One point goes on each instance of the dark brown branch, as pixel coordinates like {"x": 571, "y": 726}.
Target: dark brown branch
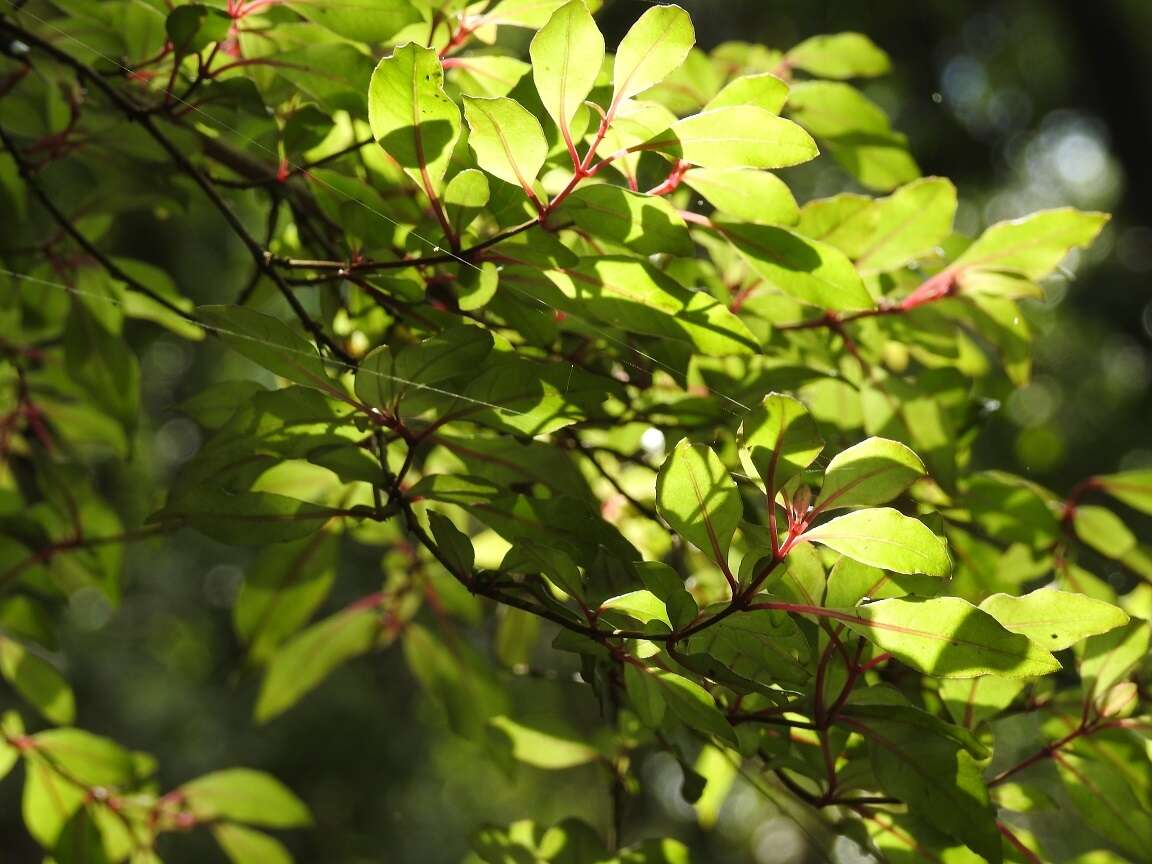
{"x": 343, "y": 268}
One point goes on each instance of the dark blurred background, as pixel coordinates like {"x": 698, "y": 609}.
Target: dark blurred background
{"x": 1023, "y": 103}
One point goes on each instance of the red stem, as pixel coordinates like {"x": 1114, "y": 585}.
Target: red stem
{"x": 1017, "y": 843}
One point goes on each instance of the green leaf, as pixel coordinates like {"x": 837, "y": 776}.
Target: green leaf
{"x": 881, "y": 702}
{"x": 698, "y": 498}
{"x": 763, "y": 90}
{"x": 839, "y": 55}
{"x": 269, "y": 343}
{"x": 761, "y": 647}
{"x": 530, "y": 397}
{"x": 489, "y": 75}
{"x": 37, "y": 680}
{"x": 306, "y": 659}
{"x": 846, "y": 221}
{"x": 643, "y": 606}
{"x": 808, "y": 270}
{"x": 90, "y": 759}
{"x": 801, "y": 578}
{"x": 947, "y": 636}
{"x": 566, "y": 56}
{"x": 745, "y": 195}
{"x": 243, "y": 845}
{"x": 1134, "y": 488}
{"x": 453, "y": 543}
{"x": 539, "y": 559}
{"x": 389, "y": 379}
{"x": 465, "y": 196}
{"x": 781, "y": 439}
{"x": 1032, "y": 246}
{"x": 645, "y": 694}
{"x": 532, "y": 14}
{"x": 851, "y": 582}
{"x": 244, "y": 518}
{"x": 1010, "y": 509}
{"x": 652, "y": 49}
{"x": 48, "y": 802}
{"x": 243, "y": 795}
{"x": 911, "y": 222}
{"x": 941, "y": 783}
{"x": 360, "y": 20}
{"x": 872, "y": 472}
{"x": 832, "y": 110}
{"x": 541, "y": 749}
{"x": 282, "y": 588}
{"x": 411, "y": 116}
{"x": 661, "y": 850}
{"x": 507, "y": 139}
{"x": 1054, "y": 619}
{"x": 855, "y": 130}
{"x": 458, "y": 679}
{"x": 101, "y": 363}
{"x": 631, "y": 293}
{"x": 194, "y": 26}
{"x": 9, "y": 755}
{"x": 477, "y": 287}
{"x": 735, "y": 137}
{"x": 1104, "y": 531}
{"x": 517, "y": 635}
{"x": 1109, "y": 658}
{"x": 973, "y": 700}
{"x": 693, "y": 706}
{"x": 647, "y": 224}
{"x": 666, "y": 584}
{"x": 883, "y": 537}
{"x": 1108, "y": 805}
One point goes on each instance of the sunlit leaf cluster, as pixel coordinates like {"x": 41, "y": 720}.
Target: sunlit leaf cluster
{"x": 555, "y": 331}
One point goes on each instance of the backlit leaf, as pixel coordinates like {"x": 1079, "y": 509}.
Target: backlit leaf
{"x": 541, "y": 749}
{"x": 693, "y": 706}
{"x": 869, "y": 473}
{"x": 242, "y": 845}
{"x": 652, "y": 49}
{"x": 839, "y": 55}
{"x": 566, "y": 57}
{"x": 1032, "y": 246}
{"x": 506, "y": 138}
{"x": 361, "y": 20}
{"x": 883, "y": 537}
{"x": 806, "y": 269}
{"x": 309, "y": 657}
{"x": 1054, "y": 619}
{"x": 947, "y": 636}
{"x": 645, "y": 223}
{"x": 411, "y": 116}
{"x": 37, "y": 680}
{"x": 1134, "y": 488}
{"x": 247, "y": 796}
{"x": 698, "y": 498}
{"x": 763, "y": 90}
{"x": 746, "y": 195}
{"x": 941, "y": 783}
{"x": 1103, "y": 530}
{"x": 781, "y": 439}
{"x": 735, "y": 137}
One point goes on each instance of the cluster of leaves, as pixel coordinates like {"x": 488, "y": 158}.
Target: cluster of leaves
{"x": 554, "y": 341}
